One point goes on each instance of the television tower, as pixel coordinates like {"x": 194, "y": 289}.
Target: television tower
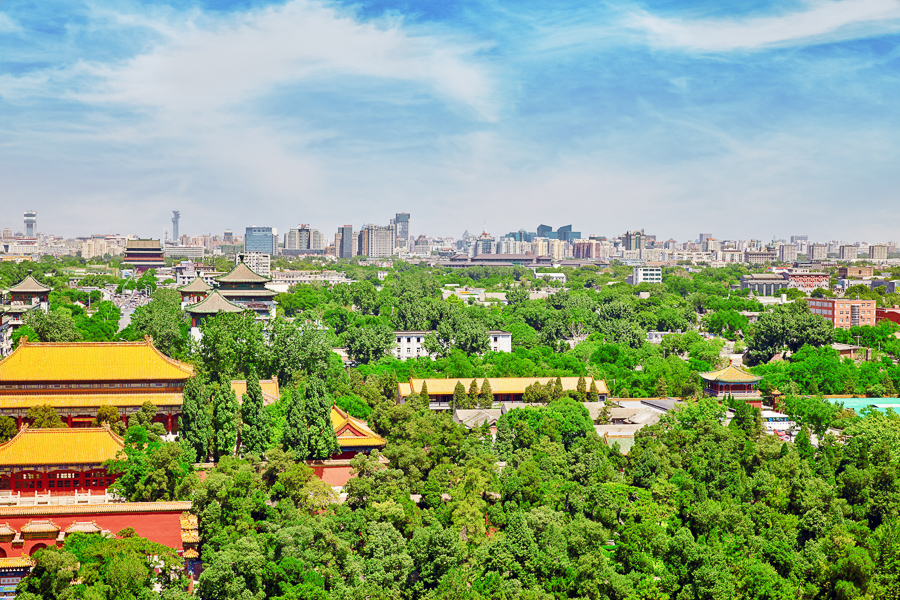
{"x": 177, "y": 215}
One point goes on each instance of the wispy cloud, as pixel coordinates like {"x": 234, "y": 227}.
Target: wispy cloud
{"x": 7, "y": 25}
{"x": 821, "y": 21}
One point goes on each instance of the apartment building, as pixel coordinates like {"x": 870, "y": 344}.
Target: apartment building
{"x": 878, "y": 252}
{"x": 409, "y": 343}
{"x": 844, "y": 312}
{"x": 848, "y": 252}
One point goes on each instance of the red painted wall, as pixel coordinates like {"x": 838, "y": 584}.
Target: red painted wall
{"x": 160, "y": 527}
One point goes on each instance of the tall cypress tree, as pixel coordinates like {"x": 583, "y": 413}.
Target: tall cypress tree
{"x": 486, "y": 399}
{"x": 196, "y": 420}
{"x": 322, "y": 440}
{"x": 225, "y": 421}
{"x": 256, "y": 430}
{"x": 295, "y": 435}
{"x": 459, "y": 396}
{"x": 595, "y": 393}
{"x": 581, "y": 389}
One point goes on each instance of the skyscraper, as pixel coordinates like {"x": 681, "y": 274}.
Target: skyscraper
{"x": 401, "y": 229}
{"x": 345, "y": 249}
{"x": 176, "y": 215}
{"x": 30, "y": 223}
{"x": 634, "y": 240}
{"x": 260, "y": 239}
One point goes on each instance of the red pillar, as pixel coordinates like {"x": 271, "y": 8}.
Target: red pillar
{"x": 169, "y": 423}
{"x": 125, "y": 420}
{"x": 69, "y": 420}
{"x": 19, "y": 421}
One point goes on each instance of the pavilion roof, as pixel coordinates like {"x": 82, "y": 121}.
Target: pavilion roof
{"x": 352, "y": 432}
{"x": 213, "y": 304}
{"x": 83, "y": 527}
{"x": 241, "y": 273}
{"x": 91, "y": 361}
{"x": 30, "y": 284}
{"x": 731, "y": 374}
{"x": 254, "y": 293}
{"x": 197, "y": 285}
{"x": 40, "y": 526}
{"x": 269, "y": 389}
{"x": 62, "y": 446}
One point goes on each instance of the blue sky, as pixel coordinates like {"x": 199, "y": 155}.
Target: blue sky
{"x": 771, "y": 118}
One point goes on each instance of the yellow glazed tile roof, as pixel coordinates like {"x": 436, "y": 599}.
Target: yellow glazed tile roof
{"x": 730, "y": 374}
{"x": 81, "y": 446}
{"x": 89, "y": 400}
{"x": 352, "y": 432}
{"x": 499, "y": 385}
{"x": 16, "y": 562}
{"x": 269, "y": 389}
{"x": 190, "y": 537}
{"x": 93, "y": 509}
{"x": 91, "y": 361}
{"x": 83, "y": 527}
{"x": 5, "y": 529}
{"x": 189, "y": 521}
{"x": 191, "y": 553}
{"x": 41, "y": 526}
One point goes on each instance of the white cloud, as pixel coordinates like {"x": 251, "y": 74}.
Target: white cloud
{"x": 7, "y": 25}
{"x": 822, "y": 21}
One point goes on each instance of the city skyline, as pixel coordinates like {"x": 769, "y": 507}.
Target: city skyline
{"x": 676, "y": 118}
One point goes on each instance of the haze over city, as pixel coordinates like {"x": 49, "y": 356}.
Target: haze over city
{"x": 749, "y": 122}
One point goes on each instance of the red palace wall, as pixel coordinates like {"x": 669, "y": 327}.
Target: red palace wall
{"x": 160, "y": 527}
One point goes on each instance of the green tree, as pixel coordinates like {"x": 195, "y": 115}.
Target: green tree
{"x": 151, "y": 470}
{"x": 225, "y": 421}
{"x": 233, "y": 344}
{"x": 256, "y": 430}
{"x": 8, "y": 428}
{"x": 487, "y": 395}
{"x": 459, "y": 396}
{"x": 163, "y": 320}
{"x": 789, "y": 326}
{"x": 195, "y": 428}
{"x": 581, "y": 390}
{"x": 54, "y": 326}
{"x": 44, "y": 416}
{"x": 299, "y": 348}
{"x": 370, "y": 342}
{"x": 321, "y": 440}
{"x": 295, "y": 436}
{"x": 815, "y": 412}
{"x": 109, "y": 415}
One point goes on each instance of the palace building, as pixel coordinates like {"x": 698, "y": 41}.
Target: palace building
{"x": 58, "y": 461}
{"x": 212, "y": 304}
{"x": 242, "y": 286}
{"x": 22, "y": 298}
{"x": 194, "y": 292}
{"x": 78, "y": 378}
{"x": 734, "y": 381}
{"x": 505, "y": 389}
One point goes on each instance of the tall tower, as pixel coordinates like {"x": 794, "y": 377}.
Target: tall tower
{"x": 30, "y": 223}
{"x": 401, "y": 229}
{"x": 176, "y": 215}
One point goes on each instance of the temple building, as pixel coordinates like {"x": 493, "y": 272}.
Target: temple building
{"x": 353, "y": 435}
{"x": 194, "y": 292}
{"x": 213, "y": 304}
{"x": 22, "y": 298}
{"x": 78, "y": 378}
{"x": 504, "y": 389}
{"x": 58, "y": 461}
{"x": 242, "y": 286}
{"x": 734, "y": 381}
{"x": 144, "y": 255}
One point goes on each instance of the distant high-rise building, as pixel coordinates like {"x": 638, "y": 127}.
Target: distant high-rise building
{"x": 176, "y": 215}
{"x": 848, "y": 252}
{"x": 799, "y": 238}
{"x": 343, "y": 242}
{"x": 228, "y": 238}
{"x": 484, "y": 244}
{"x": 634, "y": 240}
{"x": 704, "y": 237}
{"x": 376, "y": 241}
{"x": 818, "y": 252}
{"x": 787, "y": 252}
{"x": 401, "y": 229}
{"x": 878, "y": 252}
{"x": 545, "y": 231}
{"x": 30, "y": 223}
{"x": 260, "y": 239}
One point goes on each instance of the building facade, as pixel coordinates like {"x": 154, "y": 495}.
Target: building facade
{"x": 641, "y": 275}
{"x": 144, "y": 255}
{"x": 787, "y": 253}
{"x": 732, "y": 381}
{"x": 844, "y": 312}
{"x": 504, "y": 389}
{"x": 878, "y": 252}
{"x": 818, "y": 252}
{"x": 764, "y": 284}
{"x": 260, "y": 239}
{"x": 848, "y": 253}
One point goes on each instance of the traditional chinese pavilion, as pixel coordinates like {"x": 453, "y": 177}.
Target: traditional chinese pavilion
{"x": 242, "y": 286}
{"x": 353, "y": 436}
{"x": 195, "y": 291}
{"x": 78, "y": 378}
{"x": 144, "y": 255}
{"x": 213, "y": 304}
{"x": 29, "y": 291}
{"x": 58, "y": 461}
{"x": 731, "y": 380}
